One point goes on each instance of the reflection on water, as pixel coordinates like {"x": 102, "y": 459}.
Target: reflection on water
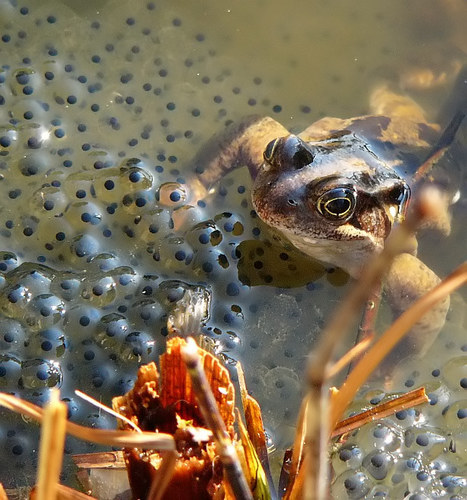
{"x": 102, "y": 108}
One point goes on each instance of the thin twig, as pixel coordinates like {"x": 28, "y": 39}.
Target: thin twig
{"x": 409, "y": 400}
{"x": 367, "y": 323}
{"x": 211, "y": 415}
{"x": 102, "y": 406}
{"x": 100, "y": 460}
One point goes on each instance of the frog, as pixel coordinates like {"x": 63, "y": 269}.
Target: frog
{"x": 336, "y": 190}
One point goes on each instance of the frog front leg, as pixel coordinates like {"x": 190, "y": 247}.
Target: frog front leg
{"x": 238, "y": 145}
{"x": 408, "y": 279}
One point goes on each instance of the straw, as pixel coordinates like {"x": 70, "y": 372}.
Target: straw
{"x": 52, "y": 443}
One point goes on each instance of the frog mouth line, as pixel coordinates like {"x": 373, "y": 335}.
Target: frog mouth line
{"x": 356, "y": 243}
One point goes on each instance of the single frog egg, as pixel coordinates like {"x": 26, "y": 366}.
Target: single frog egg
{"x": 172, "y": 194}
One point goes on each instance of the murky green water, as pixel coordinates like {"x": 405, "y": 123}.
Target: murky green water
{"x": 103, "y": 107}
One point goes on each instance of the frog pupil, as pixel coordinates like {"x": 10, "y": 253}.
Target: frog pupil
{"x": 337, "y": 203}
{"x": 338, "y": 206}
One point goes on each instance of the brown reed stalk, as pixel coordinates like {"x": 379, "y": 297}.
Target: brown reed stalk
{"x": 207, "y": 404}
{"x": 409, "y": 400}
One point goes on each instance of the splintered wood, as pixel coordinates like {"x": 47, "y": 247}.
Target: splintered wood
{"x": 166, "y": 402}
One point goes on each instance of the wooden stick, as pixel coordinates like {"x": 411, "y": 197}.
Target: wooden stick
{"x": 207, "y": 404}
{"x": 52, "y": 443}
{"x": 412, "y": 398}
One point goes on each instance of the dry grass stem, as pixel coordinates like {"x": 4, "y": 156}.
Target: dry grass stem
{"x": 66, "y": 493}
{"x": 121, "y": 439}
{"x": 102, "y": 406}
{"x": 210, "y": 412}
{"x": 298, "y": 447}
{"x": 350, "y": 356}
{"x": 297, "y": 488}
{"x": 390, "y": 338}
{"x": 412, "y": 398}
{"x": 52, "y": 443}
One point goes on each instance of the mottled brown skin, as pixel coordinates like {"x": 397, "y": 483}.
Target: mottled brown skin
{"x": 359, "y": 166}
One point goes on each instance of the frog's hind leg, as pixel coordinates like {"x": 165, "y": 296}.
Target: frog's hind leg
{"x": 387, "y": 103}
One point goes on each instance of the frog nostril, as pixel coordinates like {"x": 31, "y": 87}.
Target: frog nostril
{"x": 292, "y": 202}
{"x": 302, "y": 157}
{"x": 297, "y": 152}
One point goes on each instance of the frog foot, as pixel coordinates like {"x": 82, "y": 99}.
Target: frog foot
{"x": 422, "y": 78}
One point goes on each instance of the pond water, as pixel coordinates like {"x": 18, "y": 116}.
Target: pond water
{"x": 103, "y": 106}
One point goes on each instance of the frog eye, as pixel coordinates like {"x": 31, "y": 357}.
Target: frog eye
{"x": 269, "y": 151}
{"x": 337, "y": 204}
{"x": 289, "y": 152}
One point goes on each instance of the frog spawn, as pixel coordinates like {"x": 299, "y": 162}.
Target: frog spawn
{"x": 410, "y": 455}
{"x": 102, "y": 232}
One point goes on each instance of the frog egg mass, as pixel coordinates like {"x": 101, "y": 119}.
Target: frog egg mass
{"x": 103, "y": 229}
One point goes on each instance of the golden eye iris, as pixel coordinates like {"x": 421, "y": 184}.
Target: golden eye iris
{"x": 337, "y": 203}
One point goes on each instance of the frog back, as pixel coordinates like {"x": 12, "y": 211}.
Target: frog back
{"x": 399, "y": 142}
